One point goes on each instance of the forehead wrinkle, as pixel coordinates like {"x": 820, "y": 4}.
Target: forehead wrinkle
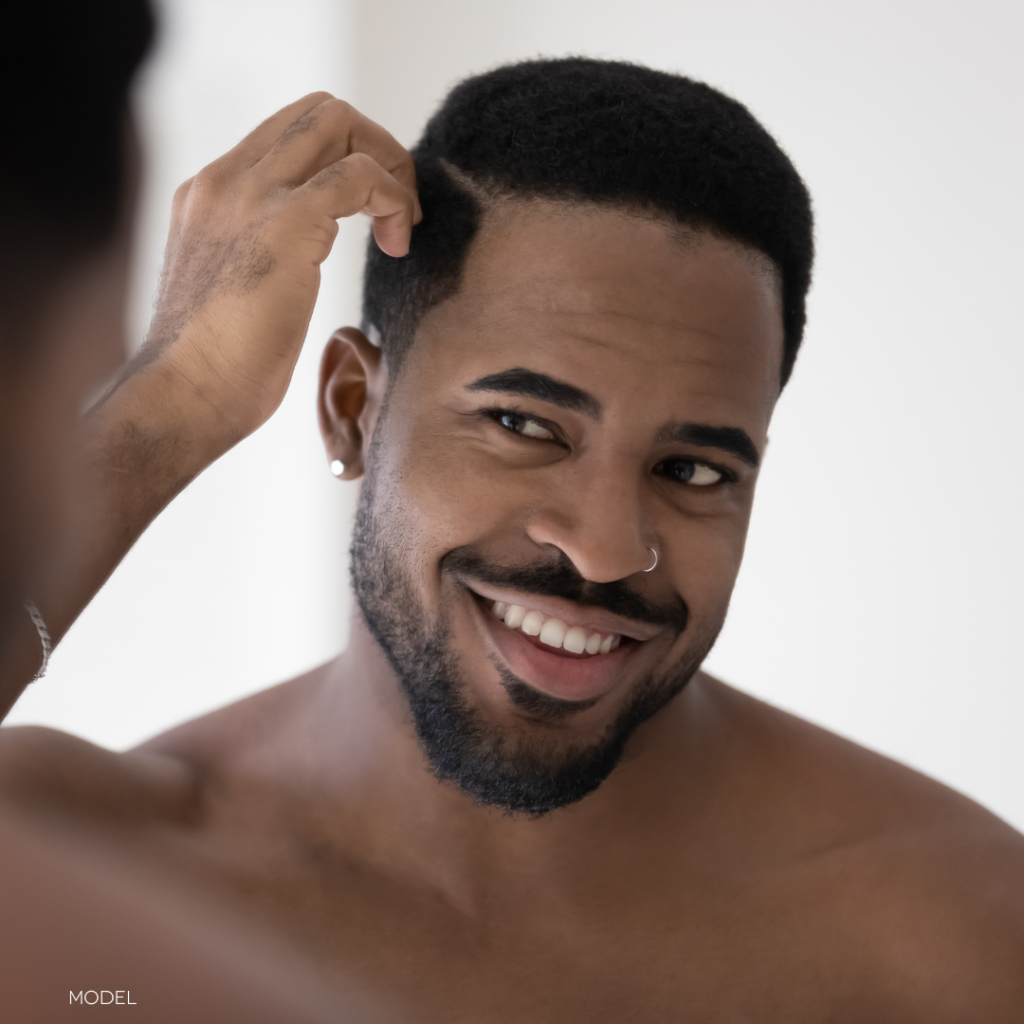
{"x": 674, "y": 328}
{"x": 538, "y": 295}
{"x": 613, "y": 326}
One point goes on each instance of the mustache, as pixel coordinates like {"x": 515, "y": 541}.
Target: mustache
{"x": 561, "y": 579}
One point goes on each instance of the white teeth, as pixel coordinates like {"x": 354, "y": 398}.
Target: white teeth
{"x": 532, "y": 623}
{"x": 575, "y": 640}
{"x": 514, "y": 616}
{"x": 552, "y": 632}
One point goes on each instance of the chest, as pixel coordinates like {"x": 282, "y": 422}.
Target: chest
{"x": 652, "y": 949}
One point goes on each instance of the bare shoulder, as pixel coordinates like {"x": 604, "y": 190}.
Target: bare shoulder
{"x": 925, "y": 885}
{"x": 236, "y": 731}
{"x": 164, "y": 779}
{"x": 49, "y": 770}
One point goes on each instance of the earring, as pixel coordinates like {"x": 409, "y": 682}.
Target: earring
{"x": 337, "y": 467}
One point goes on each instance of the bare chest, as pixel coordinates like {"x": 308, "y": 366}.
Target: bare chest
{"x": 646, "y": 949}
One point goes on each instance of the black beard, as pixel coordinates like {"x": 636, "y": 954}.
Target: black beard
{"x": 505, "y": 767}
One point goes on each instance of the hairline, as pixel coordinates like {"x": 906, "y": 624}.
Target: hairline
{"x": 491, "y": 197}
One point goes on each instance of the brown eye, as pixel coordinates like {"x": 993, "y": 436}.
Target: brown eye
{"x": 527, "y": 426}
{"x": 691, "y": 472}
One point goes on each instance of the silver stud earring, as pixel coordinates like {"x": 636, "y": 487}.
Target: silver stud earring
{"x": 337, "y": 467}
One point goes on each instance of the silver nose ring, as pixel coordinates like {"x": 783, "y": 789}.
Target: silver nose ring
{"x": 654, "y": 551}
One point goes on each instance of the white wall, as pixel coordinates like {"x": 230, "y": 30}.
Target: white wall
{"x": 881, "y": 592}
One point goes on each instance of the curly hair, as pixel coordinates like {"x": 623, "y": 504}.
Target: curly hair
{"x": 578, "y": 130}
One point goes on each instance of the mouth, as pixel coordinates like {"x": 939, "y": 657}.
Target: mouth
{"x": 574, "y": 655}
{"x": 549, "y": 631}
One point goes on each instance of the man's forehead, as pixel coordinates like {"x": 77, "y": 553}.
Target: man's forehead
{"x": 598, "y": 284}
{"x": 609, "y": 237}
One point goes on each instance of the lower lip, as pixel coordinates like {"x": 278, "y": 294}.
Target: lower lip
{"x": 565, "y": 678}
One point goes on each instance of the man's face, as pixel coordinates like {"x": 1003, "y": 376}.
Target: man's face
{"x": 598, "y": 390}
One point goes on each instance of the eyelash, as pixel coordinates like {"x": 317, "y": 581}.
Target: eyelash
{"x": 727, "y": 475}
{"x": 498, "y": 414}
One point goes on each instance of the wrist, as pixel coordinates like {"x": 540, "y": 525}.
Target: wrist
{"x": 155, "y": 433}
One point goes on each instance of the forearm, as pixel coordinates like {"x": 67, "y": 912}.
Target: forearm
{"x": 240, "y": 279}
{"x": 141, "y": 446}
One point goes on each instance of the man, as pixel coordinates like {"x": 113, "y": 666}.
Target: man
{"x": 85, "y": 922}
{"x": 516, "y": 797}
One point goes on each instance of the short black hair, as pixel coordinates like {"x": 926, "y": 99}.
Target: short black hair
{"x": 582, "y": 130}
{"x": 67, "y": 67}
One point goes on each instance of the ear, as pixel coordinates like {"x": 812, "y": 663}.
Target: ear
{"x": 351, "y": 389}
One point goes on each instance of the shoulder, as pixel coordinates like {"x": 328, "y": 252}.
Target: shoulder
{"x": 935, "y": 911}
{"x": 166, "y": 778}
{"x": 850, "y": 794}
{"x": 232, "y": 736}
{"x": 921, "y": 886}
{"x": 46, "y": 770}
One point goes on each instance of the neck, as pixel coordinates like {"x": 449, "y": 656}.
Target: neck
{"x": 355, "y": 746}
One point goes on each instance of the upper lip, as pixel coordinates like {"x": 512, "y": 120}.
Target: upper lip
{"x": 597, "y": 620}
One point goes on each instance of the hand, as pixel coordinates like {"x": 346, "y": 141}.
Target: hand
{"x": 242, "y": 267}
{"x": 241, "y": 275}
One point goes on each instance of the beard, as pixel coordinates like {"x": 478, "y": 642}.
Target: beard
{"x": 513, "y": 767}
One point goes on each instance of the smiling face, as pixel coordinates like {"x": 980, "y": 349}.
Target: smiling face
{"x": 594, "y": 398}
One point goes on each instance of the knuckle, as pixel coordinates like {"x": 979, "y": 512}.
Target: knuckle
{"x": 362, "y": 164}
{"x": 321, "y": 96}
{"x": 182, "y": 192}
{"x": 209, "y": 179}
{"x": 339, "y": 115}
{"x": 342, "y": 109}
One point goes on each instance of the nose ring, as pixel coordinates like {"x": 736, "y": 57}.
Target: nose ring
{"x": 654, "y": 551}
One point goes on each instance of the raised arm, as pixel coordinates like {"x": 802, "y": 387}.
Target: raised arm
{"x": 240, "y": 279}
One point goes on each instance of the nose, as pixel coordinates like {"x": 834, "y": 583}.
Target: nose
{"x": 597, "y": 520}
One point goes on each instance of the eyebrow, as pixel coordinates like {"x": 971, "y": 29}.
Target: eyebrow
{"x": 734, "y": 440}
{"x": 531, "y": 384}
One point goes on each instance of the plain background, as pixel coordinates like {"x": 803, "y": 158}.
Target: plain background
{"x": 881, "y": 593}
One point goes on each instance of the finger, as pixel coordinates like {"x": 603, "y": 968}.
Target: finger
{"x": 358, "y": 184}
{"x": 329, "y": 132}
{"x": 265, "y": 135}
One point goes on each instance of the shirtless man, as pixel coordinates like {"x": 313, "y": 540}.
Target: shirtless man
{"x": 83, "y": 921}
{"x": 516, "y": 797}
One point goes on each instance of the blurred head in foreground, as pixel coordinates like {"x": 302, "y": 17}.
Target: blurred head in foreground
{"x": 66, "y": 197}
{"x": 564, "y": 420}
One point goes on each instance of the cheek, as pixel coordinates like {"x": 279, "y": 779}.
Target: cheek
{"x": 703, "y": 558}
{"x": 455, "y": 498}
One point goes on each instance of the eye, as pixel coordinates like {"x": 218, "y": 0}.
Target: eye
{"x": 690, "y": 472}
{"x": 526, "y": 426}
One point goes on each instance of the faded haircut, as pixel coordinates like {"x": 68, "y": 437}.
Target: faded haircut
{"x": 589, "y": 131}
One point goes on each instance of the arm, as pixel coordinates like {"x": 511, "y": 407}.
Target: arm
{"x": 240, "y": 279}
{"x": 80, "y": 914}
